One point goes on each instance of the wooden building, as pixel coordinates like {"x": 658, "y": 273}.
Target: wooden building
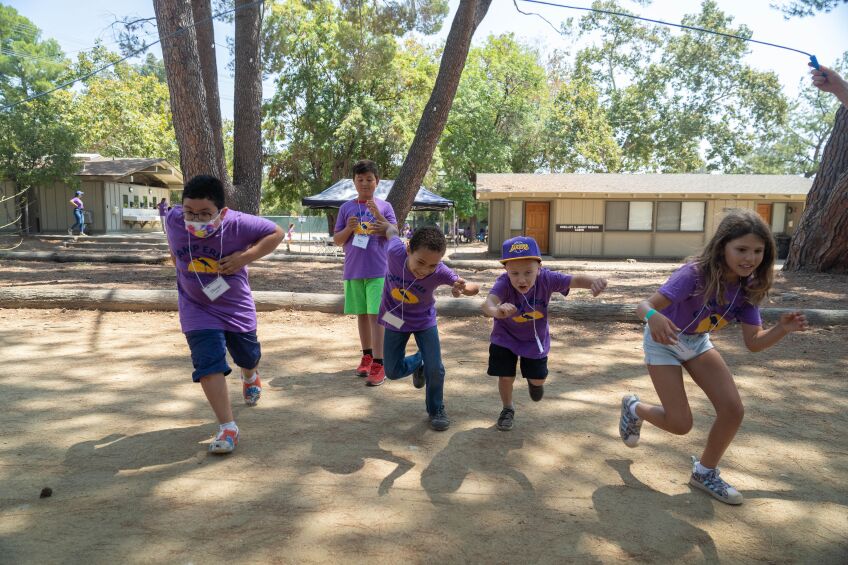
{"x": 638, "y": 216}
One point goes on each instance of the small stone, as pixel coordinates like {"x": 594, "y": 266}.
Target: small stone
{"x": 46, "y": 492}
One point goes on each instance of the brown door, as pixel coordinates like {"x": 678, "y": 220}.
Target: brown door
{"x": 536, "y": 218}
{"x": 764, "y": 210}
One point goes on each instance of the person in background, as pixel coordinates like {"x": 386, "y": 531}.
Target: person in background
{"x": 163, "y": 211}
{"x": 79, "y": 216}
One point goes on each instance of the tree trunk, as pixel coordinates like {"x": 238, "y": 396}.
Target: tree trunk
{"x": 821, "y": 241}
{"x": 468, "y": 16}
{"x": 247, "y": 135}
{"x": 202, "y": 12}
{"x": 185, "y": 85}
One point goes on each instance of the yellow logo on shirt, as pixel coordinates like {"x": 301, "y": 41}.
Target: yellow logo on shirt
{"x": 363, "y": 228}
{"x": 519, "y": 247}
{"x": 203, "y": 265}
{"x": 707, "y": 324}
{"x": 528, "y": 316}
{"x": 404, "y": 296}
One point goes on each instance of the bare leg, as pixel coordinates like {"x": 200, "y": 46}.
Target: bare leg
{"x": 364, "y": 324}
{"x": 505, "y": 388}
{"x": 215, "y": 389}
{"x": 710, "y": 372}
{"x": 674, "y": 415}
{"x": 247, "y": 373}
{"x": 376, "y": 335}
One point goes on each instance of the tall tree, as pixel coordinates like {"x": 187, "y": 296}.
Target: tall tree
{"x": 821, "y": 241}
{"x": 468, "y": 16}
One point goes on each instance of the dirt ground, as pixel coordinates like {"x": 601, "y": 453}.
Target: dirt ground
{"x": 99, "y": 407}
{"x": 801, "y": 290}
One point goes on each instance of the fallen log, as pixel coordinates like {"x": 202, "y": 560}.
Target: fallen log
{"x": 139, "y": 300}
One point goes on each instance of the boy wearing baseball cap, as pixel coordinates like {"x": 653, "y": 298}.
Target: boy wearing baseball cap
{"x": 519, "y": 304}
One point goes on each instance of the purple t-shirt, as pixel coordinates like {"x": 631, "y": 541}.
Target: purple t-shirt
{"x": 77, "y": 202}
{"x": 689, "y": 313}
{"x": 197, "y": 258}
{"x": 516, "y": 333}
{"x": 370, "y": 262}
{"x": 163, "y": 208}
{"x": 407, "y": 298}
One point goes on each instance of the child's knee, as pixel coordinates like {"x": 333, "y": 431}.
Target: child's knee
{"x": 733, "y": 412}
{"x": 680, "y": 425}
{"x": 537, "y": 389}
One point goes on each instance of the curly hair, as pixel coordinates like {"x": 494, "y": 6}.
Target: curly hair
{"x": 712, "y": 265}
{"x": 428, "y": 237}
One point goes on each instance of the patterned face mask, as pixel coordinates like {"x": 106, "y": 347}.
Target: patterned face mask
{"x": 203, "y": 229}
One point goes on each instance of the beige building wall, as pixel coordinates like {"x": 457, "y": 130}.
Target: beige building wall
{"x": 56, "y": 213}
{"x": 497, "y": 215}
{"x": 577, "y": 211}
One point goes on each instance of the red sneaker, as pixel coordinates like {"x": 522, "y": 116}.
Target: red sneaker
{"x": 376, "y": 375}
{"x": 251, "y": 392}
{"x": 364, "y": 366}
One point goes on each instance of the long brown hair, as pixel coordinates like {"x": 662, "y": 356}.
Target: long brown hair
{"x": 712, "y": 265}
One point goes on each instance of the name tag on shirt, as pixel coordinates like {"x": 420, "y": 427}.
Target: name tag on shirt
{"x": 216, "y": 288}
{"x": 393, "y": 320}
{"x": 360, "y": 240}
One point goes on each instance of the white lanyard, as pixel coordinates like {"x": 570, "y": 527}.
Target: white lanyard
{"x": 404, "y": 290}
{"x": 219, "y": 286}
{"x": 533, "y": 309}
{"x": 729, "y": 306}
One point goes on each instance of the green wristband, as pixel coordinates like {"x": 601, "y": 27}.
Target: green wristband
{"x": 650, "y": 313}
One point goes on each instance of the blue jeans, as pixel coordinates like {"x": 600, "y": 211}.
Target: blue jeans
{"x": 80, "y": 220}
{"x": 429, "y": 352}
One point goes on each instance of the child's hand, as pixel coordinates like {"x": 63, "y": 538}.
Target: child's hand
{"x": 380, "y": 225}
{"x": 794, "y": 322}
{"x": 505, "y": 310}
{"x": 353, "y": 222}
{"x": 598, "y": 286}
{"x": 663, "y": 330}
{"x": 375, "y": 211}
{"x": 461, "y": 286}
{"x": 232, "y": 263}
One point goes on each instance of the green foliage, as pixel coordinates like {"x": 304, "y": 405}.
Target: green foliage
{"x": 124, "y": 111}
{"x": 801, "y": 8}
{"x": 347, "y": 89}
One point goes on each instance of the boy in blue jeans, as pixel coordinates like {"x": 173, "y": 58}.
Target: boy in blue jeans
{"x": 364, "y": 266}
{"x": 211, "y": 246}
{"x": 409, "y": 308}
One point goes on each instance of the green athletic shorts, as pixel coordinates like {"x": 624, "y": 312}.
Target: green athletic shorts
{"x": 362, "y": 296}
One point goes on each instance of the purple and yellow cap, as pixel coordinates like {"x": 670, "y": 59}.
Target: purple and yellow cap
{"x": 521, "y": 247}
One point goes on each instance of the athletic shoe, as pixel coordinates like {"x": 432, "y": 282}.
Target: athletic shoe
{"x": 251, "y": 392}
{"x": 70, "y": 231}
{"x": 710, "y": 482}
{"x": 629, "y": 425}
{"x": 505, "y": 419}
{"x": 364, "y": 366}
{"x": 418, "y": 377}
{"x": 376, "y": 375}
{"x": 440, "y": 421}
{"x": 225, "y": 442}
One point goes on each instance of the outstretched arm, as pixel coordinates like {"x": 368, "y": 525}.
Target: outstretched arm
{"x": 828, "y": 80}
{"x": 493, "y": 308}
{"x": 596, "y": 284}
{"x": 757, "y": 339}
{"x": 463, "y": 287}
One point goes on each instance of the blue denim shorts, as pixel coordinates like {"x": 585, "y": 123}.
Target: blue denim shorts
{"x": 209, "y": 351}
{"x": 689, "y": 347}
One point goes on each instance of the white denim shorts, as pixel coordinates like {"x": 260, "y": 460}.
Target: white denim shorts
{"x": 688, "y": 347}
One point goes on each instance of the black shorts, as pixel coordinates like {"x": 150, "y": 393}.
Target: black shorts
{"x": 502, "y": 363}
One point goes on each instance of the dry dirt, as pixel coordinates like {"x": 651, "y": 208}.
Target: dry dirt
{"x": 99, "y": 407}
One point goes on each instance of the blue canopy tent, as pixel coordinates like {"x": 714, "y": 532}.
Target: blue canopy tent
{"x": 344, "y": 190}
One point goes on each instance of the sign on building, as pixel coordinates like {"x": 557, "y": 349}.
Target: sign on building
{"x": 594, "y": 228}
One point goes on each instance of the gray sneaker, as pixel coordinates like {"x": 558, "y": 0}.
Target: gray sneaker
{"x": 629, "y": 425}
{"x": 440, "y": 421}
{"x": 418, "y": 377}
{"x": 711, "y": 483}
{"x": 505, "y": 419}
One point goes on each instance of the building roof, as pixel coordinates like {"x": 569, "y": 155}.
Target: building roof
{"x": 342, "y": 191}
{"x": 157, "y": 170}
{"x": 491, "y": 186}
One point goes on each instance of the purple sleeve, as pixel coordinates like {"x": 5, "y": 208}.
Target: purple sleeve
{"x": 389, "y": 213}
{"x": 559, "y": 282}
{"x": 446, "y": 275}
{"x": 395, "y": 245}
{"x": 681, "y": 284}
{"x": 501, "y": 287}
{"x": 749, "y": 314}
{"x": 341, "y": 219}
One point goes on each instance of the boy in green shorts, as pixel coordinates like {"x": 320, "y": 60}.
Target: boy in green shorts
{"x": 365, "y": 266}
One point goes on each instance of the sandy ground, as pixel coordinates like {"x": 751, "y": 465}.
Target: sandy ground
{"x": 801, "y": 290}
{"x": 99, "y": 407}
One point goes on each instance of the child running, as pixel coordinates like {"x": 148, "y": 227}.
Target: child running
{"x": 519, "y": 304}
{"x": 365, "y": 266}
{"x": 724, "y": 283}
{"x": 211, "y": 246}
{"x": 409, "y": 308}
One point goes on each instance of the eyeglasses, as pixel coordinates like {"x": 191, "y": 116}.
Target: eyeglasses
{"x": 199, "y": 217}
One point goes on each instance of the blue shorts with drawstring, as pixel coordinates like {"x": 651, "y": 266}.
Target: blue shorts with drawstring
{"x": 209, "y": 351}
